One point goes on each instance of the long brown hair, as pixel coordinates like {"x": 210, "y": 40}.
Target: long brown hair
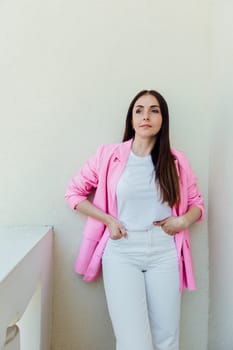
{"x": 165, "y": 170}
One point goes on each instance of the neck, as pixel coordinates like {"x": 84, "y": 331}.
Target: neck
{"x": 142, "y": 147}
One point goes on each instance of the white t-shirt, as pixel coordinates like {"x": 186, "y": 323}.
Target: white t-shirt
{"x": 138, "y": 197}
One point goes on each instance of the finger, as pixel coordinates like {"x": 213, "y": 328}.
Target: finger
{"x": 157, "y": 223}
{"x": 119, "y": 233}
{"x": 116, "y": 236}
{"x": 160, "y": 222}
{"x": 125, "y": 235}
{"x": 167, "y": 229}
{"x": 123, "y": 231}
{"x": 169, "y": 233}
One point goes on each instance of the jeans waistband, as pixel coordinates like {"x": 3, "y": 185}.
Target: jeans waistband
{"x": 146, "y": 229}
{"x": 150, "y": 230}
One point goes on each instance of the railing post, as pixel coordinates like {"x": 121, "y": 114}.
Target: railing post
{"x": 12, "y": 341}
{"x": 25, "y": 288}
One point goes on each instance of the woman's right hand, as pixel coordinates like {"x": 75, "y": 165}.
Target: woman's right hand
{"x": 116, "y": 229}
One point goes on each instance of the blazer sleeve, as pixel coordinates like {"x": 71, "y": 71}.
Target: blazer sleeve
{"x": 85, "y": 181}
{"x": 194, "y": 196}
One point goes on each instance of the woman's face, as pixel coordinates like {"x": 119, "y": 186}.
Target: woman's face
{"x": 146, "y": 117}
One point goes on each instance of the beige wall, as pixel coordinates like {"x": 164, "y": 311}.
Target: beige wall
{"x": 220, "y": 181}
{"x": 68, "y": 71}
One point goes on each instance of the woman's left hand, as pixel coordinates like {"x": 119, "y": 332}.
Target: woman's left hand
{"x": 172, "y": 224}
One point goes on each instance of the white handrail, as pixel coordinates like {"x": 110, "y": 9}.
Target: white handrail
{"x": 25, "y": 271}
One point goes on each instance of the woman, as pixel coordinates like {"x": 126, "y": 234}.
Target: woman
{"x": 145, "y": 200}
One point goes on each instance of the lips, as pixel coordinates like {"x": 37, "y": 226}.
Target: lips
{"x": 145, "y": 126}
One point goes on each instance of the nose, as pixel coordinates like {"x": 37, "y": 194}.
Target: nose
{"x": 146, "y": 115}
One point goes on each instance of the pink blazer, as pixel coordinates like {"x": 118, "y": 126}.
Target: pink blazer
{"x": 101, "y": 174}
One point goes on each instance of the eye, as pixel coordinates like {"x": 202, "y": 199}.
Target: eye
{"x": 138, "y": 110}
{"x": 155, "y": 110}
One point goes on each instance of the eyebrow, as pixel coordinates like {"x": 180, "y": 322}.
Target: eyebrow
{"x": 152, "y": 106}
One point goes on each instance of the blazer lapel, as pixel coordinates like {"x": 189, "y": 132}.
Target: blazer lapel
{"x": 116, "y": 166}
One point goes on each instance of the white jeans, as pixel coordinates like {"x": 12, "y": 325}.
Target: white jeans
{"x": 141, "y": 282}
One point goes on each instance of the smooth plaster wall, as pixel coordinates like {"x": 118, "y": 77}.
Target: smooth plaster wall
{"x": 68, "y": 71}
{"x": 220, "y": 181}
